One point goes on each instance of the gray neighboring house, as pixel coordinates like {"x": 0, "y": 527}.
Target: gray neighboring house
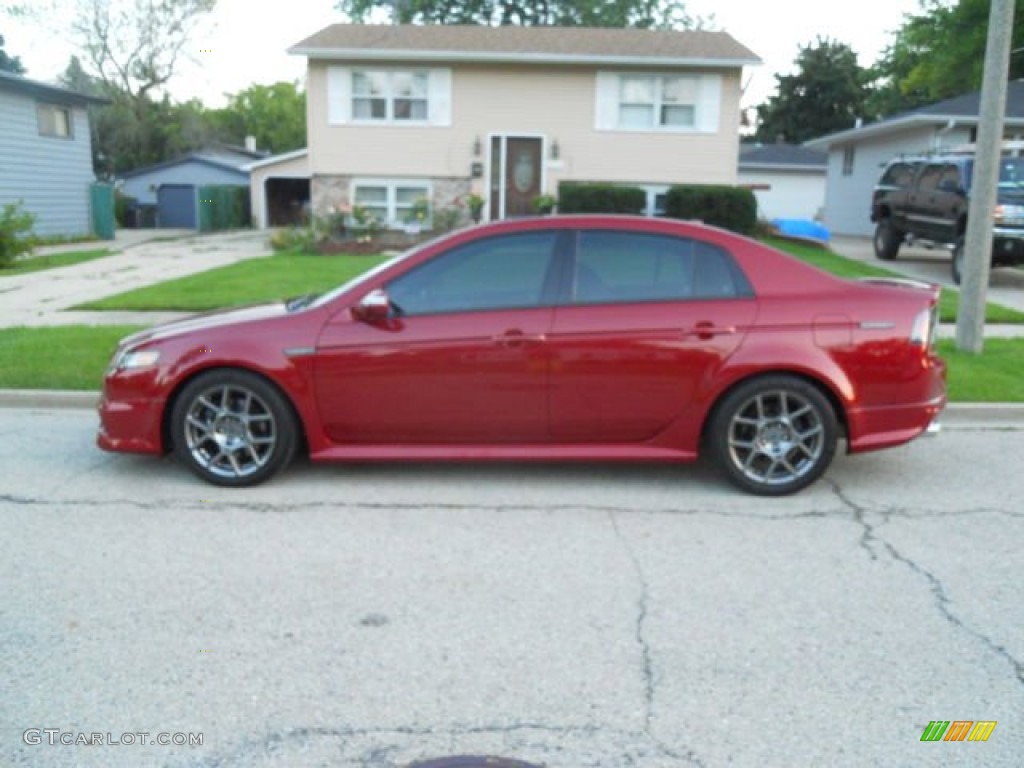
{"x": 856, "y": 156}
{"x": 788, "y": 180}
{"x": 172, "y": 187}
{"x": 46, "y": 154}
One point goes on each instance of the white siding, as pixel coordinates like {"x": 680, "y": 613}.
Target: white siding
{"x": 50, "y": 175}
{"x": 848, "y": 198}
{"x": 790, "y": 194}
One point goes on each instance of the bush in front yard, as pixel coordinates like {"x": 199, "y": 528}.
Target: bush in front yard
{"x": 15, "y": 233}
{"x": 581, "y": 197}
{"x": 733, "y": 208}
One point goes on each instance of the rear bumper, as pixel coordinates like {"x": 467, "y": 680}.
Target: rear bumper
{"x": 872, "y": 429}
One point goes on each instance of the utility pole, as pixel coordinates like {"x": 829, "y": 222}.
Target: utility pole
{"x": 970, "y": 322}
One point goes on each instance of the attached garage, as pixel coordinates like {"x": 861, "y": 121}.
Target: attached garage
{"x": 176, "y": 206}
{"x": 280, "y": 190}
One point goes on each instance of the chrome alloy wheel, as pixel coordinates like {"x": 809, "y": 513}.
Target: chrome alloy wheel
{"x": 230, "y": 431}
{"x": 776, "y": 437}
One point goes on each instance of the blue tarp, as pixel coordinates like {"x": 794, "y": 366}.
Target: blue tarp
{"x": 812, "y": 230}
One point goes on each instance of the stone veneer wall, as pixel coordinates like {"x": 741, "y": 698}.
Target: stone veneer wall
{"x": 328, "y": 193}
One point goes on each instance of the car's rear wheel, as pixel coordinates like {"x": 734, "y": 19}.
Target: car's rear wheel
{"x": 887, "y": 240}
{"x": 958, "y": 260}
{"x": 773, "y": 435}
{"x": 233, "y": 428}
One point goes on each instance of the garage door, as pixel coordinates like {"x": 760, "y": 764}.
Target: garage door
{"x": 176, "y": 206}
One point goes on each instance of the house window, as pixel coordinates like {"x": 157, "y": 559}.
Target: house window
{"x": 651, "y": 102}
{"x": 54, "y": 121}
{"x": 390, "y": 201}
{"x": 849, "y": 154}
{"x": 390, "y": 95}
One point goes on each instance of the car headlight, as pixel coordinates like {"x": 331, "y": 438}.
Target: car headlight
{"x": 131, "y": 359}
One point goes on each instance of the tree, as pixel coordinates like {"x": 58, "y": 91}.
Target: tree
{"x": 274, "y": 114}
{"x": 644, "y": 14}
{"x": 827, "y": 94}
{"x": 10, "y": 63}
{"x": 938, "y": 54}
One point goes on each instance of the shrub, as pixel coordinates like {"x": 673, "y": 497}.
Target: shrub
{"x": 295, "y": 240}
{"x": 448, "y": 218}
{"x": 579, "y": 197}
{"x": 122, "y": 205}
{"x": 733, "y": 208}
{"x": 15, "y": 233}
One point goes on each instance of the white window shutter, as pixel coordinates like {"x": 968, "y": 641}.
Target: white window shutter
{"x": 606, "y": 101}
{"x": 709, "y": 103}
{"x": 440, "y": 99}
{"x": 339, "y": 95}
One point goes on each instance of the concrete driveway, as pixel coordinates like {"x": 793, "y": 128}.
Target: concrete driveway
{"x": 1006, "y": 285}
{"x": 45, "y": 298}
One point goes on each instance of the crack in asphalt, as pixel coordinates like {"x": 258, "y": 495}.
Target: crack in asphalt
{"x": 647, "y": 674}
{"x": 937, "y": 588}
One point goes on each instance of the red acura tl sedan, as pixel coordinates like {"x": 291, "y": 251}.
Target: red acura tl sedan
{"x": 557, "y": 338}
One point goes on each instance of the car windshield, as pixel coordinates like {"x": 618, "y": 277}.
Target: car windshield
{"x": 1011, "y": 172}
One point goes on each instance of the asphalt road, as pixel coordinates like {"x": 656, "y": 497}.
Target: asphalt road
{"x": 571, "y": 616}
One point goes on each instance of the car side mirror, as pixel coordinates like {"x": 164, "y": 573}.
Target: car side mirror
{"x": 374, "y": 307}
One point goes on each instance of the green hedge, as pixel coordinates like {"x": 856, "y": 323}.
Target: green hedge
{"x": 579, "y": 197}
{"x": 732, "y": 208}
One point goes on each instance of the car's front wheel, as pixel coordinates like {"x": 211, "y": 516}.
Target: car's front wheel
{"x": 887, "y": 240}
{"x": 773, "y": 435}
{"x": 233, "y": 428}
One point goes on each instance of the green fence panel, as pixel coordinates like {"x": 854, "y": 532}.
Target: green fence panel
{"x": 223, "y": 207}
{"x": 101, "y": 205}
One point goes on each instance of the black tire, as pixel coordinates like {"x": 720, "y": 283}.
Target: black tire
{"x": 233, "y": 428}
{"x": 773, "y": 435}
{"x": 887, "y": 240}
{"x": 958, "y": 260}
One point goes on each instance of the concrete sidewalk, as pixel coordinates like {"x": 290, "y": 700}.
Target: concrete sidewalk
{"x": 42, "y": 298}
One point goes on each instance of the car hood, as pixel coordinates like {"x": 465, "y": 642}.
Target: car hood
{"x": 206, "y": 322}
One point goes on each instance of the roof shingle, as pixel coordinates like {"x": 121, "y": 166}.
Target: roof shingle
{"x": 537, "y": 43}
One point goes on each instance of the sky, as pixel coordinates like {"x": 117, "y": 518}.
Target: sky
{"x": 245, "y": 41}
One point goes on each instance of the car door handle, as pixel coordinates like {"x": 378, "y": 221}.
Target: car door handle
{"x": 516, "y": 338}
{"x": 706, "y": 330}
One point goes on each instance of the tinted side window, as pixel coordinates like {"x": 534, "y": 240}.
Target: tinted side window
{"x": 950, "y": 178}
{"x": 622, "y": 267}
{"x": 929, "y": 179}
{"x": 898, "y": 175}
{"x": 504, "y": 272}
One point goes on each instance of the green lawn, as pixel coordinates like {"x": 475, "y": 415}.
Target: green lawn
{"x": 266, "y": 279}
{"x": 995, "y": 376}
{"x": 832, "y": 262}
{"x": 61, "y": 357}
{"x": 36, "y": 263}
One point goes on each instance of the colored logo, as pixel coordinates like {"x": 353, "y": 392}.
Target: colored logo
{"x": 958, "y": 730}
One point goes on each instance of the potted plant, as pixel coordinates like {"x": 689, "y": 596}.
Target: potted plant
{"x": 475, "y": 203}
{"x": 417, "y": 217}
{"x": 544, "y": 204}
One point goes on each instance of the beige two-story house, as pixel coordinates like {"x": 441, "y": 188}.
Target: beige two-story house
{"x": 397, "y": 113}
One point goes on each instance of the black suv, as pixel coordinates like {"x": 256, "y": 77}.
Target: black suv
{"x": 925, "y": 197}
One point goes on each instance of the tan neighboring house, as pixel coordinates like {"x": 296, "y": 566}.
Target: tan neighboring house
{"x": 396, "y": 113}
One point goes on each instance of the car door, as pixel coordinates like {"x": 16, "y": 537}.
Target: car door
{"x": 922, "y": 211}
{"x": 461, "y": 359}
{"x": 644, "y": 324}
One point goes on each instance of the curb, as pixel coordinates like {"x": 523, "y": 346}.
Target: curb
{"x": 955, "y": 415}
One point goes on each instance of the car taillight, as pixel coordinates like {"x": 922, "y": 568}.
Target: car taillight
{"x": 926, "y": 326}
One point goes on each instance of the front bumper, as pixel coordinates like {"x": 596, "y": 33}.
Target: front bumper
{"x": 130, "y": 417}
